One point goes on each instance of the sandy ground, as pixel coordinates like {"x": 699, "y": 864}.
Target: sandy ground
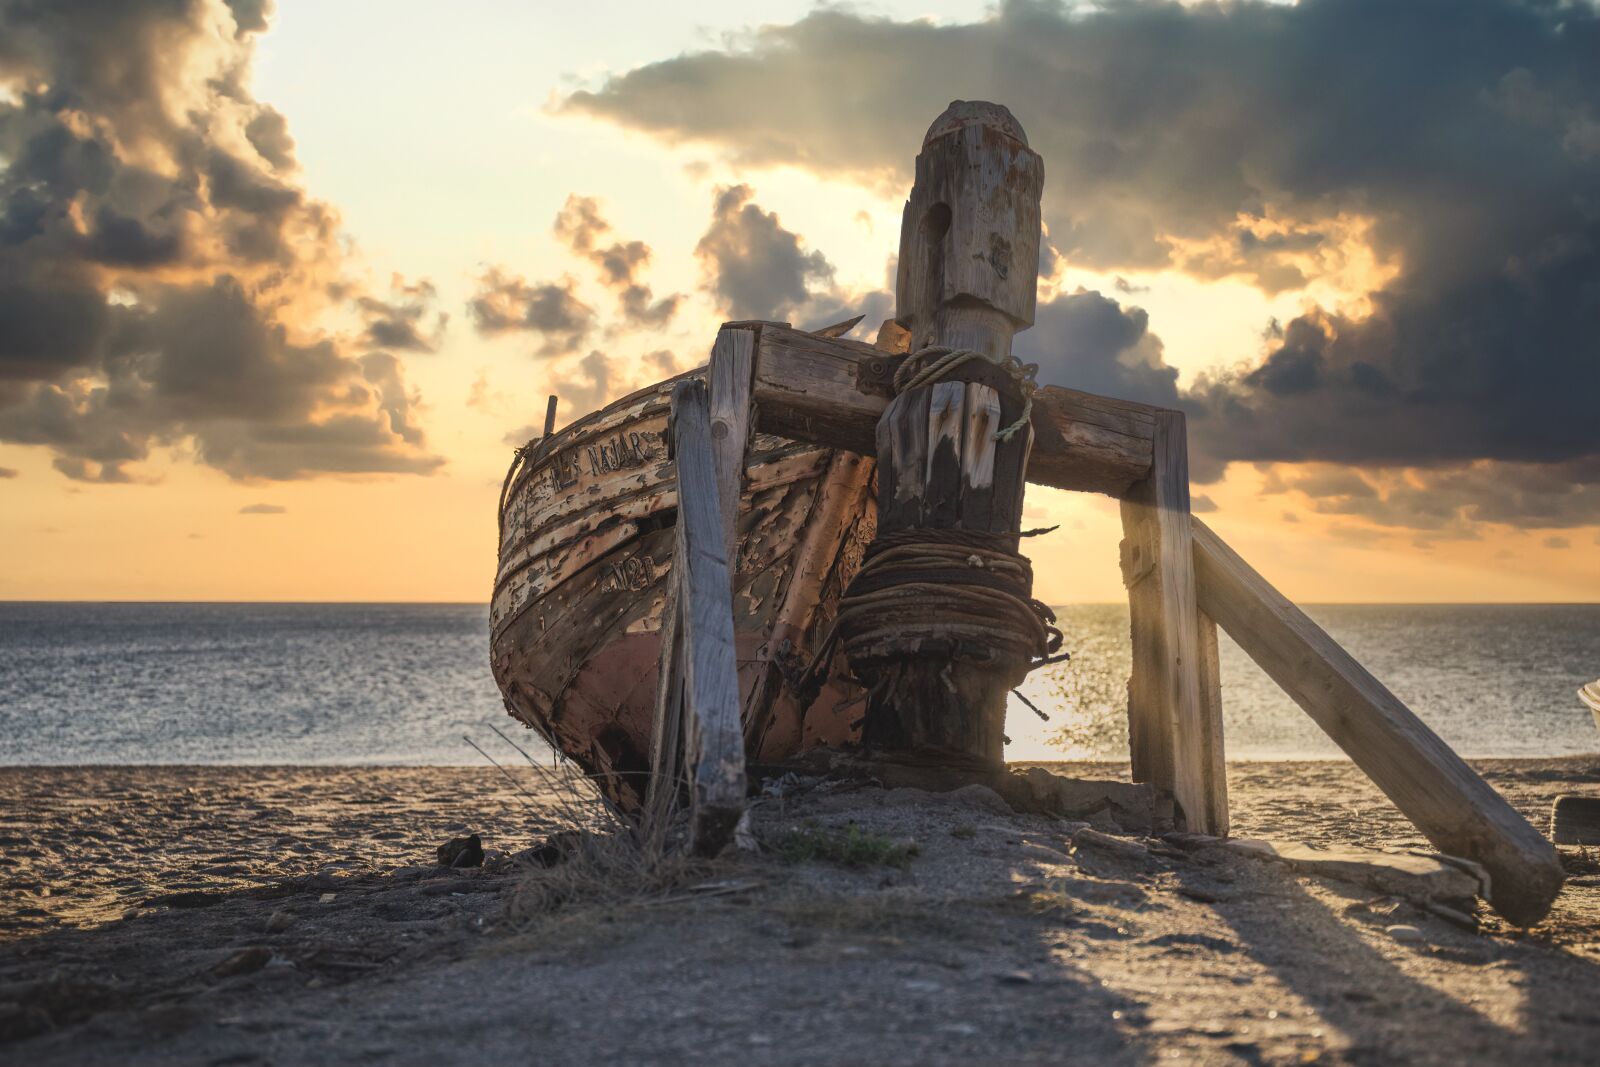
{"x": 292, "y": 915}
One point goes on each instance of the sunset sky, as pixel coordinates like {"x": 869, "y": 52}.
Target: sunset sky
{"x": 280, "y": 287}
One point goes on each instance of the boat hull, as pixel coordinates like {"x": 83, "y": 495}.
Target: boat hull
{"x": 587, "y": 532}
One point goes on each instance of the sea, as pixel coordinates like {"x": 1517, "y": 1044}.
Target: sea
{"x": 84, "y": 683}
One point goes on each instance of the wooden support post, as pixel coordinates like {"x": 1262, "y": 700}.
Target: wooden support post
{"x": 1453, "y": 807}
{"x": 700, "y": 674}
{"x": 550, "y": 415}
{"x": 732, "y": 362}
{"x": 969, "y": 264}
{"x": 1175, "y": 733}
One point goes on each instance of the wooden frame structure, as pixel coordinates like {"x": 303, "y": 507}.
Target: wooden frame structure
{"x": 1182, "y": 580}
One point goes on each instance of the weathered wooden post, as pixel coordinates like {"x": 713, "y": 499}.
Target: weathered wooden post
{"x": 697, "y": 694}
{"x": 940, "y": 622}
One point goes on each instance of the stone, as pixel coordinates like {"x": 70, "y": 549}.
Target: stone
{"x": 1575, "y": 819}
{"x": 1129, "y": 807}
{"x": 245, "y": 961}
{"x": 278, "y": 922}
{"x": 981, "y": 797}
{"x": 1403, "y": 933}
{"x": 1406, "y": 875}
{"x": 462, "y": 852}
{"x": 1089, "y": 837}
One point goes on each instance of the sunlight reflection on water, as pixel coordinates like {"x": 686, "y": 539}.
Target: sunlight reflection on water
{"x": 398, "y": 683}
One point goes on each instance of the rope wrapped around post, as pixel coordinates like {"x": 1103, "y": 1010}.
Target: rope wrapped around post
{"x": 972, "y": 595}
{"x": 957, "y": 598}
{"x": 916, "y": 370}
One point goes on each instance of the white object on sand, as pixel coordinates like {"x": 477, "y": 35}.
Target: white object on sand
{"x": 1590, "y": 695}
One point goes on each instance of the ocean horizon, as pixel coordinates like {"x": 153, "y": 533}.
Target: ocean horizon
{"x": 373, "y": 683}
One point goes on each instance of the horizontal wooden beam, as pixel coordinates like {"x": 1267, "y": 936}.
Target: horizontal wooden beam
{"x": 1446, "y": 799}
{"x": 830, "y": 391}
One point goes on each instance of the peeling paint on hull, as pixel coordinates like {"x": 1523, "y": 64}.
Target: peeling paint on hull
{"x": 587, "y": 528}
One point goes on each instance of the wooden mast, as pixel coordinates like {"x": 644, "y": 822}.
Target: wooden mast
{"x": 968, "y": 271}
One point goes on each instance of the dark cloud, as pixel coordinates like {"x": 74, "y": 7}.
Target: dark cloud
{"x": 210, "y": 365}
{"x": 581, "y": 226}
{"x": 400, "y": 321}
{"x": 9, "y": 472}
{"x": 1458, "y": 146}
{"x": 160, "y": 272}
{"x": 1451, "y": 502}
{"x": 505, "y": 303}
{"x": 1087, "y": 341}
{"x": 262, "y": 509}
{"x": 754, "y": 268}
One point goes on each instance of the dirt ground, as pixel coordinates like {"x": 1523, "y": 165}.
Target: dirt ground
{"x": 292, "y": 915}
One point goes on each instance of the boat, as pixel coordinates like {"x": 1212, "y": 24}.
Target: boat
{"x": 1590, "y": 695}
{"x": 586, "y": 537}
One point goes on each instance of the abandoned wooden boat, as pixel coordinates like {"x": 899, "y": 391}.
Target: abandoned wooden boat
{"x": 586, "y": 540}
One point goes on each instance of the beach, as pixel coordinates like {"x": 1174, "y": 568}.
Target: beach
{"x": 294, "y": 915}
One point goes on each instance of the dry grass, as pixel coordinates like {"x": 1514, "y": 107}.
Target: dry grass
{"x": 608, "y": 861}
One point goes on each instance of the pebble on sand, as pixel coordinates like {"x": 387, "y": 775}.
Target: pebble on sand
{"x": 1402, "y": 932}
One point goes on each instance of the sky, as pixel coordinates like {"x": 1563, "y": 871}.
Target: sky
{"x": 281, "y": 286}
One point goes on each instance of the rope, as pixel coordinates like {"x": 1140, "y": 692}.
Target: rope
{"x": 516, "y": 462}
{"x": 947, "y": 359}
{"x": 956, "y": 591}
{"x": 948, "y": 593}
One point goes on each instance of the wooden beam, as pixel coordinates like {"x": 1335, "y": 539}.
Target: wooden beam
{"x": 1453, "y": 807}
{"x": 1212, "y": 757}
{"x": 732, "y": 361}
{"x": 1173, "y": 731}
{"x": 713, "y": 735}
{"x": 831, "y": 391}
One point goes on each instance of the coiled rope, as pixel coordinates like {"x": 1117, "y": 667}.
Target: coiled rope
{"x": 948, "y": 593}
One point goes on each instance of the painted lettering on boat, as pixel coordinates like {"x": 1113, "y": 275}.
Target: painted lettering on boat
{"x": 621, "y": 451}
{"x": 636, "y": 573}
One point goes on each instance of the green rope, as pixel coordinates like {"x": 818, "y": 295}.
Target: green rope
{"x": 946, "y": 360}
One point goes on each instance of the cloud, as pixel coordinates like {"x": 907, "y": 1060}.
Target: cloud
{"x": 1452, "y": 502}
{"x": 589, "y": 386}
{"x": 399, "y": 322}
{"x": 261, "y": 509}
{"x": 9, "y": 472}
{"x": 1557, "y": 542}
{"x": 504, "y": 303}
{"x": 1278, "y": 144}
{"x": 1084, "y": 340}
{"x": 581, "y": 226}
{"x": 161, "y": 271}
{"x": 754, "y": 268}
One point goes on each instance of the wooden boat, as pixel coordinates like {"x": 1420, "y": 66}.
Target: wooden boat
{"x": 586, "y": 539}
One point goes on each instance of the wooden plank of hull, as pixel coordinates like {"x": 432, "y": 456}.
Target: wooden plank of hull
{"x": 530, "y": 568}
{"x": 577, "y": 611}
